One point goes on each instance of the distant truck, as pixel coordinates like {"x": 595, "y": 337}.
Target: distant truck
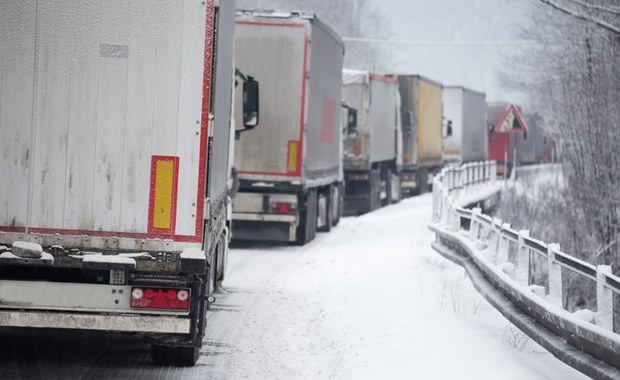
{"x": 422, "y": 132}
{"x": 372, "y": 151}
{"x": 289, "y": 183}
{"x": 115, "y": 130}
{"x": 465, "y": 113}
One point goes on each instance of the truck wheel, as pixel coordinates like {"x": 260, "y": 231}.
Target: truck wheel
{"x": 314, "y": 213}
{"x": 175, "y": 356}
{"x": 308, "y": 219}
{"x": 329, "y": 210}
{"x": 398, "y": 189}
{"x": 338, "y": 203}
{"x": 388, "y": 189}
{"x": 422, "y": 179}
{"x": 375, "y": 190}
{"x": 220, "y": 260}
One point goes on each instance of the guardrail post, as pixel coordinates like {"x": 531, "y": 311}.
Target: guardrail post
{"x": 462, "y": 179}
{"x": 604, "y": 299}
{"x": 487, "y": 171}
{"x": 522, "y": 264}
{"x": 503, "y": 247}
{"x": 467, "y": 178}
{"x": 493, "y": 172}
{"x": 474, "y": 227}
{"x": 555, "y": 276}
{"x": 436, "y": 199}
{"x": 495, "y": 236}
{"x": 456, "y": 220}
{"x": 476, "y": 173}
{"x": 445, "y": 212}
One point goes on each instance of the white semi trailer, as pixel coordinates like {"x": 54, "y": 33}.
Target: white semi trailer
{"x": 114, "y": 133}
{"x": 373, "y": 150}
{"x": 465, "y": 113}
{"x": 289, "y": 168}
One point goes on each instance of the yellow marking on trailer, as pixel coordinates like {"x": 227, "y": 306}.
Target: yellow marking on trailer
{"x": 164, "y": 188}
{"x": 293, "y": 150}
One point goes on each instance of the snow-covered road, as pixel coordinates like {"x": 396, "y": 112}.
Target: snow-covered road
{"x": 371, "y": 299}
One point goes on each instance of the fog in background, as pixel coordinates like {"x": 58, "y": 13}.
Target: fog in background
{"x": 455, "y": 42}
{"x": 458, "y": 42}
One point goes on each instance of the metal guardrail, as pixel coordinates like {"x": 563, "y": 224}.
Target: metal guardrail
{"x": 503, "y": 256}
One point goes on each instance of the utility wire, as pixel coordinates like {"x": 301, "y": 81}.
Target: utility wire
{"x": 440, "y": 43}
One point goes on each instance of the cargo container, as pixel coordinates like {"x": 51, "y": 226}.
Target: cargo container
{"x": 465, "y": 119}
{"x": 115, "y": 130}
{"x": 422, "y": 135}
{"x": 289, "y": 167}
{"x": 373, "y": 150}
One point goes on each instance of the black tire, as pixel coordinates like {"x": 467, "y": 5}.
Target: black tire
{"x": 220, "y": 262}
{"x": 388, "y": 189}
{"x": 375, "y": 190}
{"x": 337, "y": 193}
{"x": 329, "y": 213}
{"x": 306, "y": 231}
{"x": 175, "y": 356}
{"x": 422, "y": 185}
{"x": 400, "y": 190}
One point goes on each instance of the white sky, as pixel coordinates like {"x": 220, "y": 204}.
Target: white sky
{"x": 462, "y": 21}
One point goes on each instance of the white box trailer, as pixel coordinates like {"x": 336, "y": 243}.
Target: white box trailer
{"x": 289, "y": 167}
{"x": 372, "y": 152}
{"x": 465, "y": 111}
{"x": 114, "y": 137}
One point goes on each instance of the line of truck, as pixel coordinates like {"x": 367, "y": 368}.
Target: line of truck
{"x": 135, "y": 144}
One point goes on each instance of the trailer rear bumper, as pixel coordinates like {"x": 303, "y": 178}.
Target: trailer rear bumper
{"x": 264, "y": 227}
{"x": 106, "y": 322}
{"x": 356, "y": 204}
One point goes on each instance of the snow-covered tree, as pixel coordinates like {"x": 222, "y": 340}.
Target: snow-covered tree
{"x": 573, "y": 78}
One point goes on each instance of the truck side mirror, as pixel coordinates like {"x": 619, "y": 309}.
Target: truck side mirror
{"x": 449, "y": 128}
{"x": 250, "y": 103}
{"x": 351, "y": 119}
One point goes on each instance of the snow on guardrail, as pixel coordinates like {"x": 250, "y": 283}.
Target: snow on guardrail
{"x": 501, "y": 256}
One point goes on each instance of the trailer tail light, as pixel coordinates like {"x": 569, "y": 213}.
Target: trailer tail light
{"x": 159, "y": 298}
{"x": 409, "y": 177}
{"x": 283, "y": 207}
{"x": 358, "y": 177}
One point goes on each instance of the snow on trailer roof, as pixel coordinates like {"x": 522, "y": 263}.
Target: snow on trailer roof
{"x": 419, "y": 76}
{"x": 250, "y": 14}
{"x": 272, "y": 13}
{"x": 454, "y": 87}
{"x": 352, "y": 76}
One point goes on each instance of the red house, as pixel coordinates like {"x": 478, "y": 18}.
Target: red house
{"x": 505, "y": 135}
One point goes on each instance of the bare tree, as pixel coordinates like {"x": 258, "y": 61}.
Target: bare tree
{"x": 604, "y": 15}
{"x": 573, "y": 79}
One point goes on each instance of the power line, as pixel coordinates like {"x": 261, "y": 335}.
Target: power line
{"x": 440, "y": 43}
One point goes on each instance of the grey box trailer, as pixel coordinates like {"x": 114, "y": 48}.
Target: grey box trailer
{"x": 113, "y": 206}
{"x": 372, "y": 153}
{"x": 466, "y": 112}
{"x": 422, "y": 122}
{"x": 289, "y": 166}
